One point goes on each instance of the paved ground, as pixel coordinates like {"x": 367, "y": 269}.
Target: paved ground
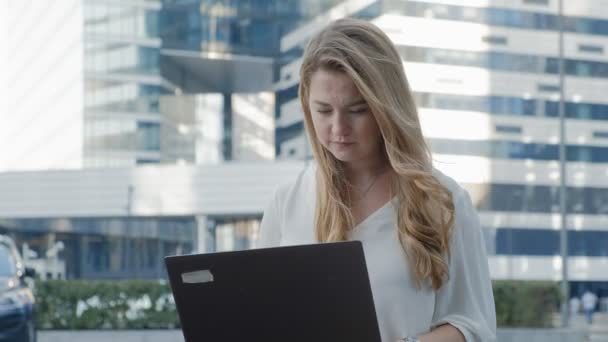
{"x": 597, "y": 332}
{"x": 113, "y": 336}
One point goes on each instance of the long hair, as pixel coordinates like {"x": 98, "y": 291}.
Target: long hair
{"x": 425, "y": 210}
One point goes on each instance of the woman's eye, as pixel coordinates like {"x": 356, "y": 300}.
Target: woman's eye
{"x": 359, "y": 111}
{"x": 324, "y": 111}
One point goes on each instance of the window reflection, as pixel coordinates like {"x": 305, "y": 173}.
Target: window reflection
{"x": 148, "y": 136}
{"x": 500, "y": 17}
{"x": 503, "y": 61}
{"x": 504, "y": 149}
{"x": 543, "y": 199}
{"x": 518, "y": 241}
{"x": 104, "y": 248}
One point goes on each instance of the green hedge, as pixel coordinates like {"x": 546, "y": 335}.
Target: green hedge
{"x": 79, "y": 304}
{"x": 139, "y": 304}
{"x": 526, "y": 303}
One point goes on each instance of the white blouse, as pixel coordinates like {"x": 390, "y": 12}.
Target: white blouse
{"x": 465, "y": 300}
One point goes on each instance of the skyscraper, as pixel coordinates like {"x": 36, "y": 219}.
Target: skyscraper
{"x": 485, "y": 78}
{"x": 90, "y": 83}
{"x": 108, "y": 85}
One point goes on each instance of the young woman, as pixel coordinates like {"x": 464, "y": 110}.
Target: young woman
{"x": 373, "y": 181}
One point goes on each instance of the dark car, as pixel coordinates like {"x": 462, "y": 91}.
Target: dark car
{"x": 16, "y": 298}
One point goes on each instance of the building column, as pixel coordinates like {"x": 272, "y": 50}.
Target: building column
{"x": 205, "y": 234}
{"x": 228, "y": 131}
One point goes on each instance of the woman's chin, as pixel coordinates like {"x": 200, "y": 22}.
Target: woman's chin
{"x": 343, "y": 156}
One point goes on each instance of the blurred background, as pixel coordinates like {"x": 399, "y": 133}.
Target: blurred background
{"x": 132, "y": 130}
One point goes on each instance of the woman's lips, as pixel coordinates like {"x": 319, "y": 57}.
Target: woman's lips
{"x": 343, "y": 144}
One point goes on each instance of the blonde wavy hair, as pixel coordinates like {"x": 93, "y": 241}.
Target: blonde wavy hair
{"x": 425, "y": 210}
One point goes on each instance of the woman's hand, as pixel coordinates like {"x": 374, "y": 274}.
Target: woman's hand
{"x": 442, "y": 333}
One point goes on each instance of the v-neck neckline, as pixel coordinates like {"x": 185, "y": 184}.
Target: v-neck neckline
{"x": 373, "y": 214}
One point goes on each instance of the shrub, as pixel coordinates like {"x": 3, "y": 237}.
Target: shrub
{"x": 146, "y": 304}
{"x": 80, "y": 304}
{"x": 525, "y": 303}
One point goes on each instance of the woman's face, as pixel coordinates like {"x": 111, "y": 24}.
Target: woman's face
{"x": 342, "y": 120}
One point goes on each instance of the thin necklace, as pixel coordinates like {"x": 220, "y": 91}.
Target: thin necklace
{"x": 369, "y": 187}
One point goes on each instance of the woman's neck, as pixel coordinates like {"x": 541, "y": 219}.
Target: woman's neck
{"x": 363, "y": 171}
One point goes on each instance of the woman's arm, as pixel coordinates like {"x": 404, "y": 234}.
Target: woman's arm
{"x": 443, "y": 333}
{"x": 465, "y": 301}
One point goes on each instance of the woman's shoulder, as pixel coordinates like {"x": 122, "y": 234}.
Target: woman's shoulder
{"x": 300, "y": 186}
{"x": 466, "y": 218}
{"x": 449, "y": 183}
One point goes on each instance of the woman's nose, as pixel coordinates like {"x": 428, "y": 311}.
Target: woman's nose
{"x": 340, "y": 124}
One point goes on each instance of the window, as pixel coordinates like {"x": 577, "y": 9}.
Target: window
{"x": 597, "y": 49}
{"x": 544, "y": 199}
{"x": 503, "y": 60}
{"x": 286, "y": 95}
{"x": 536, "y": 2}
{"x": 141, "y": 161}
{"x": 507, "y": 17}
{"x": 518, "y": 150}
{"x": 546, "y": 242}
{"x": 504, "y": 105}
{"x": 548, "y": 88}
{"x": 508, "y": 129}
{"x": 600, "y": 134}
{"x": 148, "y": 136}
{"x": 497, "y": 40}
{"x": 7, "y": 263}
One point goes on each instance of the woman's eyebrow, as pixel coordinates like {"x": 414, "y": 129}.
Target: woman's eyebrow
{"x": 352, "y": 104}
{"x": 358, "y": 103}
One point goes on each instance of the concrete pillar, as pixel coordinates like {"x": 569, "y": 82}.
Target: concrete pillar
{"x": 205, "y": 233}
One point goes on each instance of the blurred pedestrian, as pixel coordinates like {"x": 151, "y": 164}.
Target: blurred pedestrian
{"x": 589, "y": 302}
{"x": 575, "y": 305}
{"x": 372, "y": 180}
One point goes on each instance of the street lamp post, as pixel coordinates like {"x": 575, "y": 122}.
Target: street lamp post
{"x": 562, "y": 164}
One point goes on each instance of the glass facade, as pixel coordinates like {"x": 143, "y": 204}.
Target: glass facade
{"x": 233, "y": 234}
{"x": 108, "y": 248}
{"x": 126, "y": 123}
{"x": 125, "y": 73}
{"x": 242, "y": 27}
{"x": 148, "y": 136}
{"x": 518, "y": 241}
{"x": 133, "y": 115}
{"x": 503, "y": 149}
{"x": 7, "y": 262}
{"x": 515, "y": 198}
{"x": 492, "y": 104}
{"x": 127, "y": 248}
{"x": 508, "y": 105}
{"x": 504, "y": 61}
{"x": 500, "y": 17}
{"x": 540, "y": 198}
{"x": 122, "y": 82}
{"x": 286, "y": 133}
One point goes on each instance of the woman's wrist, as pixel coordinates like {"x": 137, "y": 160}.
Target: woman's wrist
{"x": 411, "y": 339}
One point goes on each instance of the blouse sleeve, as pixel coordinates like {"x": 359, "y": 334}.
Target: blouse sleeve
{"x": 270, "y": 227}
{"x": 465, "y": 300}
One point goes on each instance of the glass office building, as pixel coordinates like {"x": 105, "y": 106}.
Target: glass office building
{"x": 122, "y": 83}
{"x": 107, "y": 248}
{"x": 145, "y": 83}
{"x": 202, "y": 82}
{"x": 488, "y": 98}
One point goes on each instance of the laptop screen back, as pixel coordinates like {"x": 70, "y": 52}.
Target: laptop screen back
{"x": 306, "y": 293}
